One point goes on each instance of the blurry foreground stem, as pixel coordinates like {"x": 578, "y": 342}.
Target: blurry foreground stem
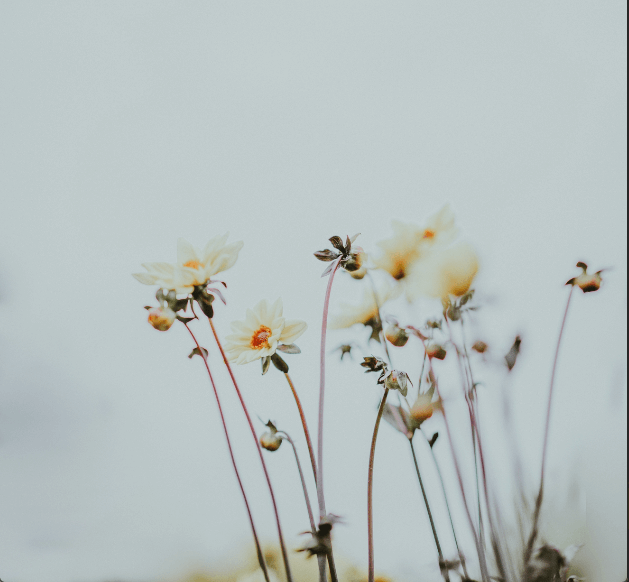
{"x": 231, "y": 454}
{"x": 255, "y": 438}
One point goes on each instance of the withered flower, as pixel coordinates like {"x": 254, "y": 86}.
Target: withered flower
{"x": 480, "y": 347}
{"x": 436, "y": 350}
{"x": 374, "y": 364}
{"x": 397, "y": 335}
{"x": 319, "y": 542}
{"x": 397, "y": 380}
{"x": 349, "y": 259}
{"x": 345, "y": 349}
{"x": 585, "y": 281}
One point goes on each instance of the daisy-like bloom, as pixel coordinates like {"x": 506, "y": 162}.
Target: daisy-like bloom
{"x": 365, "y": 312}
{"x": 193, "y": 268}
{"x": 409, "y": 242}
{"x": 442, "y": 272}
{"x": 262, "y": 331}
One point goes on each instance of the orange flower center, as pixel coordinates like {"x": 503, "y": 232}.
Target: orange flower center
{"x": 192, "y": 264}
{"x": 260, "y": 339}
{"x": 429, "y": 233}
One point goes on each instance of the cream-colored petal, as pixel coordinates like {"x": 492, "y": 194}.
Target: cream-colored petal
{"x": 212, "y": 246}
{"x": 162, "y": 269}
{"x": 261, "y": 311}
{"x": 146, "y": 278}
{"x": 293, "y": 330}
{"x": 242, "y": 327}
{"x": 276, "y": 309}
{"x": 186, "y": 252}
{"x": 251, "y": 319}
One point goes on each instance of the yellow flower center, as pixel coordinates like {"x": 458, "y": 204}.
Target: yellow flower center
{"x": 260, "y": 339}
{"x": 429, "y": 233}
{"x": 192, "y": 264}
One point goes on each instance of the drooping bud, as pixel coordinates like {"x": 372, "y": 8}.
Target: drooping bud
{"x": 397, "y": 380}
{"x": 161, "y": 318}
{"x": 270, "y": 440}
{"x": 356, "y": 263}
{"x": 435, "y": 350}
{"x": 480, "y": 347}
{"x": 424, "y": 407}
{"x": 585, "y": 281}
{"x": 397, "y": 335}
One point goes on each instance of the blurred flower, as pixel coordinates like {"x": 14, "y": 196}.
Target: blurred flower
{"x": 409, "y": 242}
{"x": 161, "y": 318}
{"x": 359, "y": 261}
{"x": 512, "y": 354}
{"x": 397, "y": 335}
{"x": 193, "y": 268}
{"x": 345, "y": 349}
{"x": 258, "y": 576}
{"x": 585, "y": 281}
{"x": 480, "y": 347}
{"x": 397, "y": 380}
{"x": 435, "y": 350}
{"x": 366, "y": 312}
{"x": 424, "y": 407}
{"x": 260, "y": 334}
{"x": 442, "y": 272}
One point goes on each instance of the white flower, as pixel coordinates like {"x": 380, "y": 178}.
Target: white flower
{"x": 443, "y": 271}
{"x": 409, "y": 242}
{"x": 193, "y": 267}
{"x": 365, "y": 312}
{"x": 259, "y": 335}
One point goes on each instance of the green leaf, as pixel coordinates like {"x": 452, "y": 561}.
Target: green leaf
{"x": 280, "y": 364}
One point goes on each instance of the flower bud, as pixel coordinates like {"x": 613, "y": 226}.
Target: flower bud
{"x": 161, "y": 318}
{"x": 397, "y": 380}
{"x": 356, "y": 265}
{"x": 480, "y": 347}
{"x": 396, "y": 334}
{"x": 435, "y": 350}
{"x": 586, "y": 282}
{"x": 270, "y": 441}
{"x": 422, "y": 410}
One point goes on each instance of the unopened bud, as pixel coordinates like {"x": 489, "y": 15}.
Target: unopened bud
{"x": 161, "y": 318}
{"x": 356, "y": 263}
{"x": 397, "y": 380}
{"x": 435, "y": 350}
{"x": 270, "y": 441}
{"x": 480, "y": 347}
{"x": 421, "y": 410}
{"x": 396, "y": 334}
{"x": 586, "y": 282}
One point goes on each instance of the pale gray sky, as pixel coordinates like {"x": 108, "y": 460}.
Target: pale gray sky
{"x": 126, "y": 125}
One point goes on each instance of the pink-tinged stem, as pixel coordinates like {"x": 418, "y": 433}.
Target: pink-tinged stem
{"x": 481, "y": 554}
{"x": 304, "y": 424}
{"x": 324, "y": 329}
{"x": 231, "y": 454}
{"x": 540, "y": 495}
{"x": 313, "y": 527}
{"x": 255, "y": 438}
{"x": 372, "y": 455}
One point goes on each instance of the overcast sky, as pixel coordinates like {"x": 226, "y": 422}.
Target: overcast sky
{"x": 126, "y": 125}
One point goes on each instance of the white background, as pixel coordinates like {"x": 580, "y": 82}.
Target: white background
{"x": 126, "y": 125}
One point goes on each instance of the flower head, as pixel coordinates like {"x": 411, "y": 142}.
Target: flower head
{"x": 409, "y": 242}
{"x": 585, "y": 281}
{"x": 193, "y": 268}
{"x": 397, "y": 380}
{"x": 262, "y": 332}
{"x": 424, "y": 407}
{"x": 161, "y": 318}
{"x": 270, "y": 440}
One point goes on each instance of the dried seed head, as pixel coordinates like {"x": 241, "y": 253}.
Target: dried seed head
{"x": 480, "y": 347}
{"x": 397, "y": 380}
{"x": 585, "y": 281}
{"x": 397, "y": 335}
{"x": 270, "y": 440}
{"x": 161, "y": 318}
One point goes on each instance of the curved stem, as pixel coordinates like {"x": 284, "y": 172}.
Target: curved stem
{"x": 540, "y": 495}
{"x": 255, "y": 438}
{"x": 445, "y": 496}
{"x": 231, "y": 454}
{"x": 372, "y": 455}
{"x": 444, "y": 571}
{"x": 324, "y": 328}
{"x": 304, "y": 424}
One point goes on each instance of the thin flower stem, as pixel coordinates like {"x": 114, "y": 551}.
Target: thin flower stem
{"x": 324, "y": 328}
{"x": 255, "y": 438}
{"x": 303, "y": 481}
{"x": 445, "y": 496}
{"x": 444, "y": 571}
{"x": 421, "y": 374}
{"x": 233, "y": 459}
{"x": 540, "y": 495}
{"x": 479, "y": 549}
{"x": 304, "y": 424}
{"x": 313, "y": 527}
{"x": 377, "y": 302}
{"x": 372, "y": 455}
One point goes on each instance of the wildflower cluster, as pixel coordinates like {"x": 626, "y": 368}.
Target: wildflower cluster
{"x": 430, "y": 262}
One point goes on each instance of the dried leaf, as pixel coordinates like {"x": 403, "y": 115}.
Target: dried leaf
{"x": 196, "y": 352}
{"x": 337, "y": 243}
{"x": 266, "y": 362}
{"x": 289, "y": 349}
{"x": 331, "y": 266}
{"x": 326, "y": 255}
{"x": 218, "y": 294}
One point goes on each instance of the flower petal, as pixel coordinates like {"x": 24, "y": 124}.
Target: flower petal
{"x": 293, "y": 329}
{"x": 185, "y": 252}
